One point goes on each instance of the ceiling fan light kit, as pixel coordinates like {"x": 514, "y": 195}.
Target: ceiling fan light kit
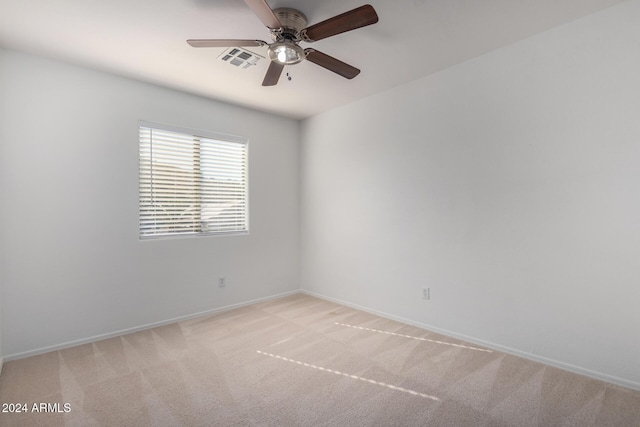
{"x": 286, "y": 52}
{"x": 288, "y": 27}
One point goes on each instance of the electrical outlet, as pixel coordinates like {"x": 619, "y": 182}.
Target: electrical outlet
{"x": 426, "y": 293}
{"x": 222, "y": 282}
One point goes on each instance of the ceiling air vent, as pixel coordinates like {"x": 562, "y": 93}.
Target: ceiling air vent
{"x": 240, "y": 58}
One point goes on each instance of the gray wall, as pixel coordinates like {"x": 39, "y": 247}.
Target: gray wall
{"x": 508, "y": 185}
{"x": 74, "y": 267}
{"x": 2, "y": 204}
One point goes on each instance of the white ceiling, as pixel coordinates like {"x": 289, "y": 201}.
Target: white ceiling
{"x": 145, "y": 40}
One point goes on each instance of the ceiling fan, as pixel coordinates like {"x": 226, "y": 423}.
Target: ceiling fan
{"x": 288, "y": 28}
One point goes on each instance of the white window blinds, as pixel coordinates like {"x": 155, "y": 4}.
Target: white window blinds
{"x": 191, "y": 182}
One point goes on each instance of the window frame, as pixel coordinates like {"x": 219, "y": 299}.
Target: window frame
{"x": 195, "y": 134}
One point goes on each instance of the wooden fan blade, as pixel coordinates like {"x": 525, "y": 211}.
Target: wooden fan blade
{"x": 356, "y": 18}
{"x": 331, "y": 63}
{"x": 273, "y": 74}
{"x": 264, "y": 13}
{"x": 224, "y": 43}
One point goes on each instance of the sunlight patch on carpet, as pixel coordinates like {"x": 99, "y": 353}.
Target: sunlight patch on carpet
{"x": 355, "y": 377}
{"x": 414, "y": 338}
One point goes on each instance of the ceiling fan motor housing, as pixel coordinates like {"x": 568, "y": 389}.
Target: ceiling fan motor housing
{"x": 285, "y": 49}
{"x": 293, "y": 21}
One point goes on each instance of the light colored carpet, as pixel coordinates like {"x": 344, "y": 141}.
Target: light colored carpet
{"x": 302, "y": 361}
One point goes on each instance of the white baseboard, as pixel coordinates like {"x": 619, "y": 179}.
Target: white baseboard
{"x": 95, "y": 338}
{"x": 534, "y": 357}
{"x": 1, "y": 364}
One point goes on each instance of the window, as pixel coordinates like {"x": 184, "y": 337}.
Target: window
{"x": 191, "y": 182}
